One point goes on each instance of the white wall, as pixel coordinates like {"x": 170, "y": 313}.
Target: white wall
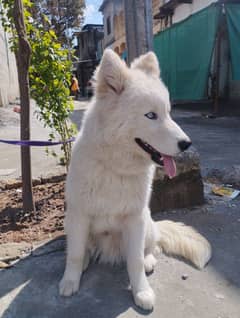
{"x": 184, "y": 10}
{"x": 8, "y": 72}
{"x": 108, "y": 12}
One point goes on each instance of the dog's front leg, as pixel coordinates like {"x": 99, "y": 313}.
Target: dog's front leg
{"x": 134, "y": 242}
{"x": 77, "y": 235}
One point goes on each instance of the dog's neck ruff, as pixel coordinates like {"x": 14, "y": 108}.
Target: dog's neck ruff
{"x": 167, "y": 162}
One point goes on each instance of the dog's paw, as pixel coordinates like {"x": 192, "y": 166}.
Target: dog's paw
{"x": 149, "y": 263}
{"x": 68, "y": 287}
{"x": 145, "y": 299}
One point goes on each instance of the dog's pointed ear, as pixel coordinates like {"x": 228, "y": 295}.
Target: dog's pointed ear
{"x": 111, "y": 74}
{"x": 148, "y": 63}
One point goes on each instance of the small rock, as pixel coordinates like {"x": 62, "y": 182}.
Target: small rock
{"x": 4, "y": 265}
{"x": 12, "y": 184}
{"x": 219, "y": 296}
{"x": 184, "y": 277}
{"x": 12, "y": 251}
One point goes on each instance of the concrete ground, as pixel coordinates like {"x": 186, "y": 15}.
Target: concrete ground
{"x": 217, "y": 140}
{"x": 30, "y": 288}
{"x": 42, "y": 164}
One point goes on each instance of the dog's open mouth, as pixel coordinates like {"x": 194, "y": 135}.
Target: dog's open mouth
{"x": 167, "y": 162}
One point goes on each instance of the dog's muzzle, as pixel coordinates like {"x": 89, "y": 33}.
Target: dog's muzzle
{"x": 166, "y": 161}
{"x": 155, "y": 155}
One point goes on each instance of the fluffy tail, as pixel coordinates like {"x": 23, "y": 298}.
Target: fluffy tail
{"x": 182, "y": 240}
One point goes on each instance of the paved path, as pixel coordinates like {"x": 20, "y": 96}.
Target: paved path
{"x": 217, "y": 140}
{"x": 10, "y": 164}
{"x": 30, "y": 289}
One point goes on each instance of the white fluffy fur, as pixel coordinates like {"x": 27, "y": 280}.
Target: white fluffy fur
{"x": 109, "y": 180}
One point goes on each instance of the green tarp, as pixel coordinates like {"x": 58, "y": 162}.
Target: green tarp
{"x": 233, "y": 21}
{"x": 184, "y": 52}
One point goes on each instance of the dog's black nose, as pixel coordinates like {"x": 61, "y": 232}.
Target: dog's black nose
{"x": 184, "y": 145}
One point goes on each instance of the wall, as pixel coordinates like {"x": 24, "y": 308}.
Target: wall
{"x": 119, "y": 33}
{"x": 184, "y": 10}
{"x": 157, "y": 24}
{"x": 108, "y": 13}
{"x": 8, "y": 72}
{"x": 114, "y": 10}
{"x": 86, "y": 42}
{"x": 117, "y": 38}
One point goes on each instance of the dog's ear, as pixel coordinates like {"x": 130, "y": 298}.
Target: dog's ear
{"x": 148, "y": 63}
{"x": 111, "y": 74}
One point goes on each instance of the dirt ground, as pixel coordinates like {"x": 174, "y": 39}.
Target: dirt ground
{"x": 44, "y": 223}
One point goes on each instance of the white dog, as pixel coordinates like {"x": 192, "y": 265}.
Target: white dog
{"x": 126, "y": 129}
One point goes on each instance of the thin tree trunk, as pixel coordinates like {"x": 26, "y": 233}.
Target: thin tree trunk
{"x": 23, "y": 55}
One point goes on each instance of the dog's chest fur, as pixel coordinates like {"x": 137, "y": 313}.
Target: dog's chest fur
{"x": 119, "y": 195}
{"x": 109, "y": 199}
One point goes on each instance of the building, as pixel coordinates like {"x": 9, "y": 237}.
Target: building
{"x": 89, "y": 52}
{"x": 114, "y": 24}
{"x": 174, "y": 11}
{"x": 8, "y": 72}
{"x": 114, "y": 19}
{"x": 196, "y": 47}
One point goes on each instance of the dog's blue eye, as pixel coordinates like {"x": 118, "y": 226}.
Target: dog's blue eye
{"x": 151, "y": 115}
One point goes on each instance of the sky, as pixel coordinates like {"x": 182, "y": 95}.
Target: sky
{"x": 92, "y": 15}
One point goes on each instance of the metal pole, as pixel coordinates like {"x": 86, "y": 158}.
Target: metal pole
{"x": 139, "y": 27}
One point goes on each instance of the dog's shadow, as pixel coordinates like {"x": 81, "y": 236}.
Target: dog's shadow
{"x": 30, "y": 289}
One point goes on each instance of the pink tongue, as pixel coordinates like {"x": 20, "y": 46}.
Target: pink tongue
{"x": 169, "y": 166}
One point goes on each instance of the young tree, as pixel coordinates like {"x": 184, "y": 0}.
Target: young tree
{"x": 49, "y": 72}
{"x": 23, "y": 55}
